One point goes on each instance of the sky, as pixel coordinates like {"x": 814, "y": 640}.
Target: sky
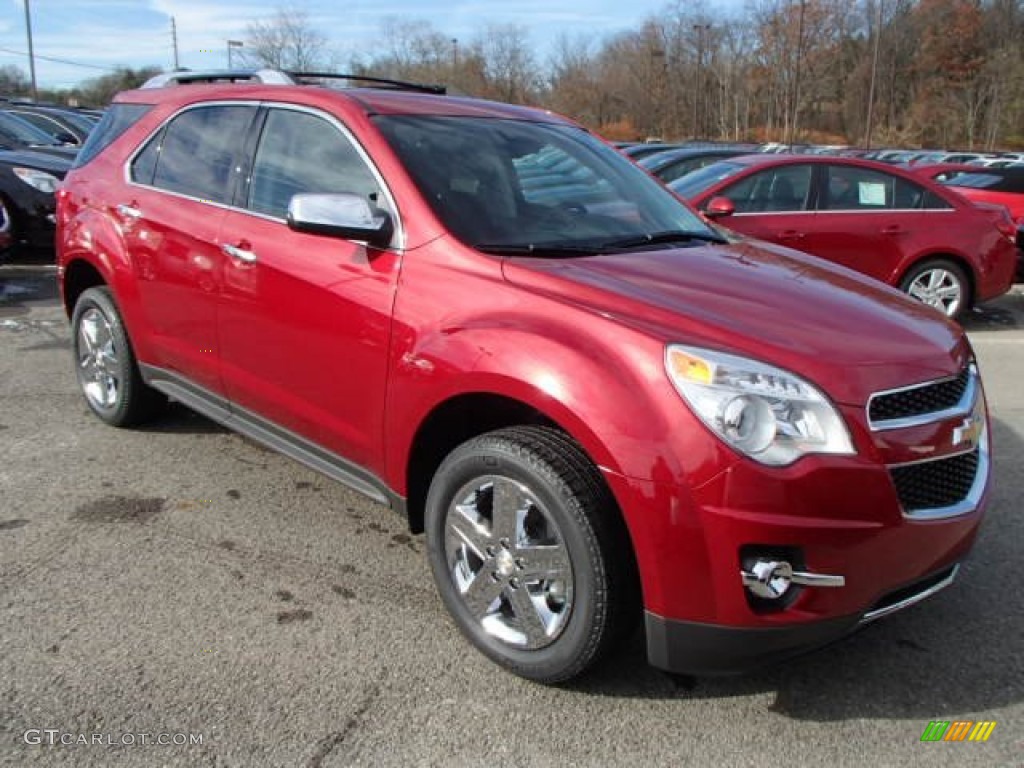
{"x": 99, "y": 35}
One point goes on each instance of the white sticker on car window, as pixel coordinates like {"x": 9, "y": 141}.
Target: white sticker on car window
{"x": 871, "y": 193}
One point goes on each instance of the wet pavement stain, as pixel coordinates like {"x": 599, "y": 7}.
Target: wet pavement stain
{"x": 345, "y": 592}
{"x": 233, "y": 494}
{"x": 290, "y": 617}
{"x": 227, "y": 544}
{"x": 284, "y": 595}
{"x": 10, "y": 525}
{"x": 119, "y": 509}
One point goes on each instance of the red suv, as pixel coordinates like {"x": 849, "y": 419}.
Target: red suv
{"x": 598, "y": 410}
{"x": 900, "y": 228}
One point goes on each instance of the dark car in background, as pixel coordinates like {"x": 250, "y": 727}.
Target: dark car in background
{"x": 28, "y": 182}
{"x": 902, "y": 229}
{"x": 673, "y": 164}
{"x": 65, "y": 126}
{"x": 15, "y": 133}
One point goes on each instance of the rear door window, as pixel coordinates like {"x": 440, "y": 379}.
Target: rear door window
{"x": 851, "y": 188}
{"x": 195, "y": 154}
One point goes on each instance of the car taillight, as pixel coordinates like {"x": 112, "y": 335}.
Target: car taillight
{"x": 1007, "y": 225}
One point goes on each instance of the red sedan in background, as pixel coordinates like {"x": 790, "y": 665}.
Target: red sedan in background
{"x": 893, "y": 225}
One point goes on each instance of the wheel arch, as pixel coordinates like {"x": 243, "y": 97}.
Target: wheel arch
{"x": 958, "y": 259}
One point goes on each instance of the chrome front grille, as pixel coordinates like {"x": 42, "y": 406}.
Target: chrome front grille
{"x": 954, "y": 480}
{"x": 922, "y": 403}
{"x": 936, "y": 484}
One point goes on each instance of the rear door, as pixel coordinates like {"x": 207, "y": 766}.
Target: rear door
{"x": 181, "y": 181}
{"x": 871, "y": 221}
{"x": 305, "y": 319}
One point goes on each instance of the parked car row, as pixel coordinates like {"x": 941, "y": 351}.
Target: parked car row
{"x": 38, "y": 145}
{"x": 897, "y": 224}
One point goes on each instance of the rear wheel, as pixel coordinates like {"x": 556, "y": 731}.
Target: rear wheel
{"x": 941, "y": 284}
{"x": 529, "y": 553}
{"x": 107, "y": 371}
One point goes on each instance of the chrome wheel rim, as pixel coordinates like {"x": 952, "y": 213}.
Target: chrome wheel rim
{"x": 938, "y": 288}
{"x": 98, "y": 365}
{"x": 508, "y": 562}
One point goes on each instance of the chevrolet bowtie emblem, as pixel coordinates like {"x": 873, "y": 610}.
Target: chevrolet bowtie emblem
{"x": 969, "y": 431}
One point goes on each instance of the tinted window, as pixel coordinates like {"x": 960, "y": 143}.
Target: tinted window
{"x": 299, "y": 152}
{"x": 51, "y": 127}
{"x": 144, "y": 164}
{"x": 514, "y": 184}
{"x": 115, "y": 121}
{"x": 783, "y": 188}
{"x": 849, "y": 188}
{"x": 197, "y": 153}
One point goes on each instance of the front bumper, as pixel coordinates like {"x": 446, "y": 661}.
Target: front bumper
{"x": 685, "y": 647}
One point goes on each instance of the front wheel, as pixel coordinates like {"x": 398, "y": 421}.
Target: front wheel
{"x": 105, "y": 364}
{"x": 941, "y": 284}
{"x": 529, "y": 553}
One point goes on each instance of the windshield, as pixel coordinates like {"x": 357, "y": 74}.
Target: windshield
{"x": 17, "y": 130}
{"x": 501, "y": 185}
{"x": 692, "y": 184}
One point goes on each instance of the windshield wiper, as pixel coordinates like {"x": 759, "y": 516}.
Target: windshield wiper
{"x": 670, "y": 236}
{"x": 538, "y": 249}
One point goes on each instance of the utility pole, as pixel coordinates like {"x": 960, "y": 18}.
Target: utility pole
{"x": 700, "y": 98}
{"x": 174, "y": 41}
{"x": 796, "y": 74}
{"x": 31, "y": 54}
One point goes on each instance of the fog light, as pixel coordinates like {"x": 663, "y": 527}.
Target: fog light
{"x": 768, "y": 579}
{"x": 772, "y": 579}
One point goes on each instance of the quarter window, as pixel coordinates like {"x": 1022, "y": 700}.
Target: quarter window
{"x": 299, "y": 152}
{"x": 196, "y": 152}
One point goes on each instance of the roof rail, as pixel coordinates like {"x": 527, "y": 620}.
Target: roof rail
{"x": 186, "y": 77}
{"x": 400, "y": 84}
{"x": 279, "y": 77}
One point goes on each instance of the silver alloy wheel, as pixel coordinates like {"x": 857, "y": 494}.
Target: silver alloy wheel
{"x": 939, "y": 288}
{"x": 98, "y": 365}
{"x": 508, "y": 562}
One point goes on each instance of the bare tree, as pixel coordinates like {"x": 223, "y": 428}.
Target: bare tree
{"x": 287, "y": 41}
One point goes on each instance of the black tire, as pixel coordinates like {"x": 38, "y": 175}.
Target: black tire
{"x": 953, "y": 278}
{"x": 110, "y": 380}
{"x": 602, "y": 608}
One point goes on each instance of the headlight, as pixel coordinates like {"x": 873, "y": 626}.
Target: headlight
{"x": 766, "y": 413}
{"x": 44, "y": 182}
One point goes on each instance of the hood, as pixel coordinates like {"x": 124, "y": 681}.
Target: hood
{"x": 41, "y": 161}
{"x": 847, "y": 333}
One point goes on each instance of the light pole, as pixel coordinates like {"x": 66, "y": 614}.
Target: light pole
{"x": 233, "y": 44}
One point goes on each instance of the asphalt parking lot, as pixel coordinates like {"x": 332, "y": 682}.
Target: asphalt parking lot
{"x": 183, "y": 581}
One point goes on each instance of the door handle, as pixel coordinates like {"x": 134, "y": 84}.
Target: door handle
{"x": 129, "y": 211}
{"x": 894, "y": 229}
{"x": 241, "y": 254}
{"x": 791, "y": 234}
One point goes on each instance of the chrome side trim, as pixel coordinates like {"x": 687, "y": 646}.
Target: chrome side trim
{"x": 870, "y": 616}
{"x": 278, "y": 438}
{"x": 963, "y": 406}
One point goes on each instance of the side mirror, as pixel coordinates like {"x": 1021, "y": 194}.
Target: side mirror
{"x": 340, "y": 215}
{"x": 720, "y": 207}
